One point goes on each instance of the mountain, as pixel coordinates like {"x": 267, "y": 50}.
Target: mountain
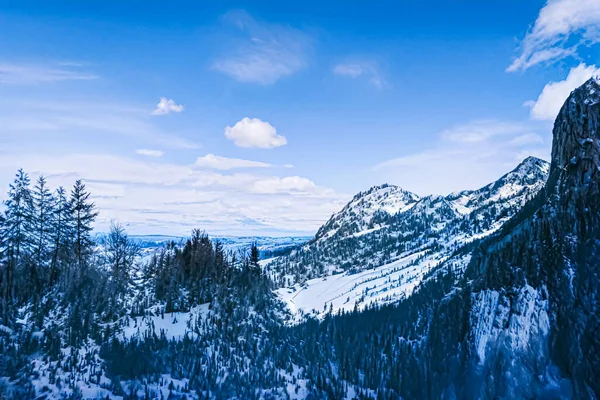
{"x": 521, "y": 321}
{"x": 380, "y": 246}
{"x": 360, "y": 215}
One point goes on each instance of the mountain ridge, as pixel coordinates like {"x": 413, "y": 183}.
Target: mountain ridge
{"x": 417, "y": 224}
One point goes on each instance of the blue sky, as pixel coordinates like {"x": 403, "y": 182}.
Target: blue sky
{"x": 266, "y": 117}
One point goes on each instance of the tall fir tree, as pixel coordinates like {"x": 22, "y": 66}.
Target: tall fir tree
{"x": 84, "y": 215}
{"x": 16, "y": 233}
{"x": 42, "y": 214}
{"x": 120, "y": 253}
{"x": 62, "y": 234}
{"x": 254, "y": 256}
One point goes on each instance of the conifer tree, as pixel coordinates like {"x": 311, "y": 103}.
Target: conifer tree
{"x": 16, "y": 233}
{"x": 120, "y": 254}
{"x": 62, "y": 234}
{"x": 41, "y": 217}
{"x": 254, "y": 257}
{"x": 84, "y": 215}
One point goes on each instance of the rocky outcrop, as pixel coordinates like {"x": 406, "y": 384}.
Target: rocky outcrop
{"x": 576, "y": 141}
{"x": 538, "y": 282}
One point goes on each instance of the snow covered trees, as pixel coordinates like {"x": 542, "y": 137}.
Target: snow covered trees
{"x": 44, "y": 236}
{"x": 119, "y": 254}
{"x": 16, "y": 231}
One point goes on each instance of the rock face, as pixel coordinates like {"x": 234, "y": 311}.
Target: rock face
{"x": 576, "y": 145}
{"x": 551, "y": 254}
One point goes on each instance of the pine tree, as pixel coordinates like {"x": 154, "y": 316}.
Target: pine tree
{"x": 16, "y": 233}
{"x": 120, "y": 253}
{"x": 41, "y": 216}
{"x": 254, "y": 257}
{"x": 84, "y": 215}
{"x": 62, "y": 233}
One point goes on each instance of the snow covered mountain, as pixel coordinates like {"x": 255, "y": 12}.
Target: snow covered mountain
{"x": 387, "y": 240}
{"x": 519, "y": 320}
{"x": 361, "y": 214}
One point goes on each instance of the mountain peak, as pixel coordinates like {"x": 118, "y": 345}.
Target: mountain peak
{"x": 358, "y": 215}
{"x": 576, "y": 140}
{"x": 532, "y": 163}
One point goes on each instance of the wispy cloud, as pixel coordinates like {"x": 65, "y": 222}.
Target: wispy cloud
{"x": 31, "y": 74}
{"x": 367, "y": 69}
{"x": 212, "y": 161}
{"x": 482, "y": 131}
{"x": 561, "y": 27}
{"x": 252, "y": 132}
{"x": 465, "y": 157}
{"x": 82, "y": 120}
{"x": 166, "y": 106}
{"x": 149, "y": 153}
{"x": 263, "y": 52}
{"x": 554, "y": 94}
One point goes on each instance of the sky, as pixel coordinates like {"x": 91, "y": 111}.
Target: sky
{"x": 264, "y": 118}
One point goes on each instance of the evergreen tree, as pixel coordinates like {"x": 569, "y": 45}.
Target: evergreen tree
{"x": 84, "y": 215}
{"x": 16, "y": 234}
{"x": 120, "y": 253}
{"x": 42, "y": 215}
{"x": 62, "y": 234}
{"x": 254, "y": 255}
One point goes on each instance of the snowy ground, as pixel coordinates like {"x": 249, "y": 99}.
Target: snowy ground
{"x": 345, "y": 291}
{"x": 174, "y": 325}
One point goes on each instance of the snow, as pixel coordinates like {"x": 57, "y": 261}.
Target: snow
{"x": 174, "y": 325}
{"x": 364, "y": 206}
{"x": 160, "y": 389}
{"x": 345, "y": 291}
{"x": 519, "y": 323}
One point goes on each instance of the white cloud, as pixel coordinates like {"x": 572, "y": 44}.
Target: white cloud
{"x": 159, "y": 197}
{"x": 165, "y": 106}
{"x": 30, "y": 74}
{"x": 266, "y": 53}
{"x": 149, "y": 153}
{"x": 212, "y": 161}
{"x": 252, "y": 132}
{"x": 351, "y": 70}
{"x": 554, "y": 94}
{"x": 560, "y": 28}
{"x": 367, "y": 69}
{"x": 464, "y": 157}
{"x": 276, "y": 185}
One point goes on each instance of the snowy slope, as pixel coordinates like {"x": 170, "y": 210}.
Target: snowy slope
{"x": 382, "y": 260}
{"x": 344, "y": 291}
